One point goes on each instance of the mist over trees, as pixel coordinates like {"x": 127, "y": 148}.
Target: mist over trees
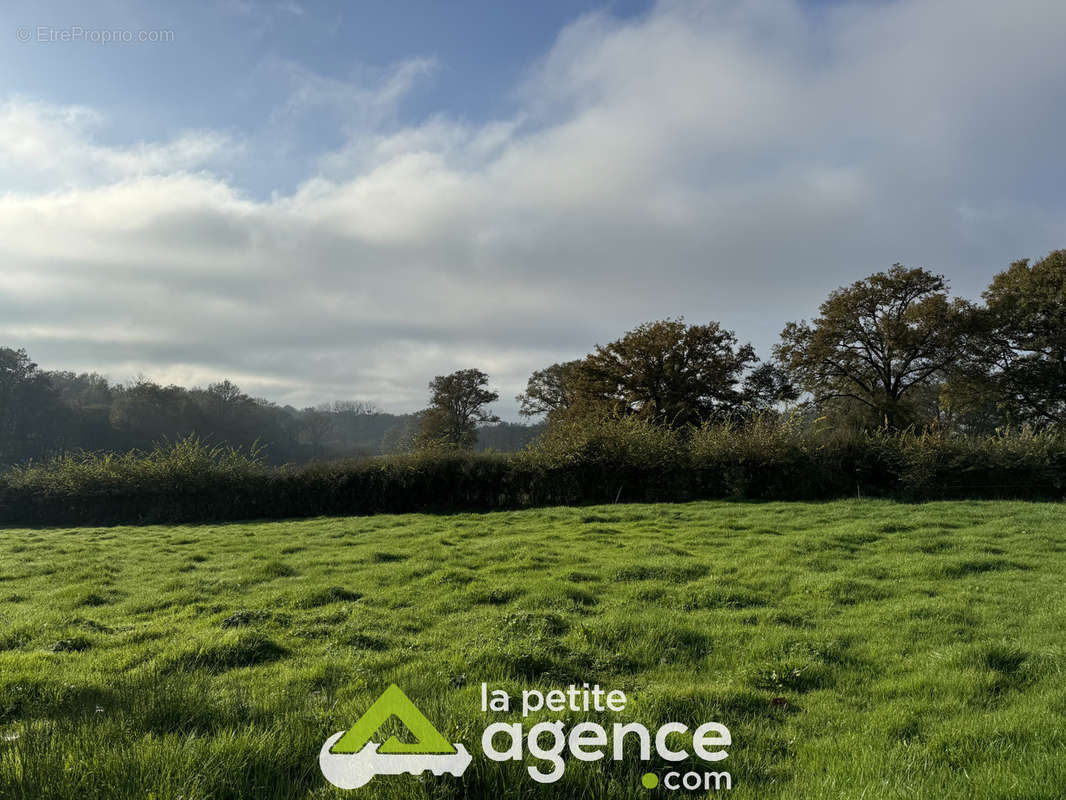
{"x": 891, "y": 351}
{"x": 45, "y": 413}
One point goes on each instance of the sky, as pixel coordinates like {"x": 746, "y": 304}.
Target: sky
{"x": 328, "y": 201}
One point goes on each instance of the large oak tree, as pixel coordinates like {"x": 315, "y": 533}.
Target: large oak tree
{"x": 667, "y": 371}
{"x": 876, "y": 342}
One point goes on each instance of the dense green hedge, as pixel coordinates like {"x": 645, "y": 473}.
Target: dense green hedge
{"x": 612, "y": 460}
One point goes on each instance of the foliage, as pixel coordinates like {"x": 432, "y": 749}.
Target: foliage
{"x": 163, "y": 482}
{"x": 457, "y": 407}
{"x": 667, "y": 372}
{"x": 575, "y": 462}
{"x": 551, "y": 390}
{"x": 670, "y": 373}
{"x": 765, "y": 388}
{"x": 29, "y": 408}
{"x": 1020, "y": 351}
{"x": 876, "y": 342}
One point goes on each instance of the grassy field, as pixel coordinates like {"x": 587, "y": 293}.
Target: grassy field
{"x": 854, "y": 649}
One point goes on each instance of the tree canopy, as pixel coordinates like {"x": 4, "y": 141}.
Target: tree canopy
{"x": 457, "y": 407}
{"x": 876, "y": 342}
{"x": 29, "y": 408}
{"x": 667, "y": 371}
{"x": 1020, "y": 345}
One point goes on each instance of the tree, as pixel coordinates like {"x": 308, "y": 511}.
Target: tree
{"x": 86, "y": 400}
{"x": 353, "y": 408}
{"x": 875, "y": 342}
{"x": 147, "y": 413}
{"x": 317, "y": 425}
{"x": 30, "y": 410}
{"x": 223, "y": 400}
{"x": 668, "y": 372}
{"x": 765, "y": 387}
{"x": 967, "y": 403}
{"x": 402, "y": 436}
{"x": 1019, "y": 349}
{"x": 550, "y": 390}
{"x": 81, "y": 390}
{"x": 457, "y": 404}
{"x": 506, "y": 437}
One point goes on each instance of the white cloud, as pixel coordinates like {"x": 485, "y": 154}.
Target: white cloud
{"x": 731, "y": 160}
{"x": 44, "y": 146}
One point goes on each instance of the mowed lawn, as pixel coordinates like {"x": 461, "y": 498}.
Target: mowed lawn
{"x": 857, "y": 649}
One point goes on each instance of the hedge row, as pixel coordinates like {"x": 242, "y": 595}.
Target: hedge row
{"x": 603, "y": 462}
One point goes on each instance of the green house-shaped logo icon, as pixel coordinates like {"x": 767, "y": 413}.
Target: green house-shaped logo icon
{"x": 350, "y": 759}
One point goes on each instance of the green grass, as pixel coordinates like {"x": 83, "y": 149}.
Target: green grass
{"x": 854, "y": 649}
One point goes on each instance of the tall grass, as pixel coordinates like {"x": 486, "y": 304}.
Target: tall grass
{"x": 186, "y": 462}
{"x": 855, "y": 650}
{"x": 600, "y": 461}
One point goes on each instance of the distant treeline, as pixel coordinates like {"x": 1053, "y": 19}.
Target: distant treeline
{"x": 890, "y": 355}
{"x": 49, "y": 413}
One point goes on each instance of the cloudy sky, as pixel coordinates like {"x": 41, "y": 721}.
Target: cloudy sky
{"x": 341, "y": 200}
